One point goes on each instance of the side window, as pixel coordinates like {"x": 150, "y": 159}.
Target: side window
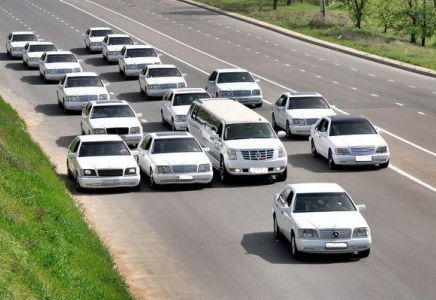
{"x": 193, "y": 110}
{"x": 325, "y": 126}
{"x": 220, "y": 130}
{"x": 320, "y": 124}
{"x": 213, "y": 123}
{"x": 202, "y": 116}
{"x": 285, "y": 100}
{"x": 88, "y": 32}
{"x": 148, "y": 144}
{"x": 212, "y": 76}
{"x": 26, "y": 47}
{"x": 289, "y": 199}
{"x": 74, "y": 146}
{"x": 105, "y": 40}
{"x": 10, "y": 36}
{"x": 145, "y": 143}
{"x": 279, "y": 101}
{"x": 63, "y": 79}
{"x": 43, "y": 56}
{"x": 87, "y": 109}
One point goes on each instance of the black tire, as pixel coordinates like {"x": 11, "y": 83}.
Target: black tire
{"x": 259, "y": 104}
{"x": 277, "y": 233}
{"x": 385, "y": 165}
{"x": 173, "y": 127}
{"x": 120, "y": 71}
{"x": 59, "y": 100}
{"x": 153, "y": 184}
{"x": 79, "y": 188}
{"x": 294, "y": 250}
{"x": 8, "y": 52}
{"x": 141, "y": 90}
{"x": 162, "y": 117}
{"x": 363, "y": 254}
{"x": 224, "y": 175}
{"x": 45, "y": 78}
{"x": 69, "y": 175}
{"x": 283, "y": 176}
{"x": 331, "y": 162}
{"x": 289, "y": 134}
{"x": 147, "y": 97}
{"x": 125, "y": 74}
{"x": 313, "y": 149}
{"x": 66, "y": 110}
{"x": 40, "y": 74}
{"x": 273, "y": 121}
{"x": 209, "y": 184}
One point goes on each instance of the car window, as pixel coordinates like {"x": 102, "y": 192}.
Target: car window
{"x": 308, "y": 103}
{"x": 352, "y": 127}
{"x": 324, "y": 126}
{"x": 120, "y": 41}
{"x": 41, "y": 48}
{"x": 24, "y": 38}
{"x": 212, "y": 76}
{"x": 147, "y": 52}
{"x": 229, "y": 77}
{"x": 83, "y": 81}
{"x": 74, "y": 145}
{"x": 188, "y": 98}
{"x": 248, "y": 131}
{"x": 164, "y": 72}
{"x": 99, "y": 33}
{"x": 322, "y": 202}
{"x": 112, "y": 111}
{"x": 61, "y": 58}
{"x": 106, "y": 148}
{"x": 175, "y": 145}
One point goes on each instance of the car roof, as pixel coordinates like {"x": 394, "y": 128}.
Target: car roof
{"x": 187, "y": 90}
{"x": 81, "y": 74}
{"x": 100, "y": 138}
{"x": 139, "y": 47}
{"x": 118, "y": 35}
{"x": 39, "y": 43}
{"x": 230, "y": 70}
{"x": 161, "y": 66}
{"x": 302, "y": 94}
{"x": 108, "y": 102}
{"x": 23, "y": 32}
{"x": 303, "y": 188}
{"x": 58, "y": 52}
{"x": 172, "y": 134}
{"x": 344, "y": 118}
{"x": 100, "y": 28}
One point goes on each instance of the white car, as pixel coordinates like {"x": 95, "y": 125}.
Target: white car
{"x": 297, "y": 111}
{"x": 75, "y": 90}
{"x": 100, "y": 162}
{"x": 112, "y": 45}
{"x": 32, "y": 52}
{"x": 155, "y": 80}
{"x": 133, "y": 58}
{"x": 236, "y": 84}
{"x": 112, "y": 117}
{"x": 16, "y": 41}
{"x": 348, "y": 140}
{"x": 94, "y": 37}
{"x": 175, "y": 106}
{"x": 320, "y": 218}
{"x": 55, "y": 64}
{"x": 174, "y": 158}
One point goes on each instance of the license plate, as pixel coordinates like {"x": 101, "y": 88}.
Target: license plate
{"x": 364, "y": 158}
{"x": 110, "y": 182}
{"x": 185, "y": 177}
{"x": 336, "y": 245}
{"x": 259, "y": 170}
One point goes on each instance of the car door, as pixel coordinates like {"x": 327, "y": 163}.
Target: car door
{"x": 144, "y": 158}
{"x": 41, "y": 62}
{"x": 211, "y": 84}
{"x": 167, "y": 106}
{"x": 72, "y": 156}
{"x": 283, "y": 218}
{"x": 61, "y": 88}
{"x": 86, "y": 37}
{"x": 280, "y": 111}
{"x": 142, "y": 75}
{"x": 121, "y": 58}
{"x": 320, "y": 137}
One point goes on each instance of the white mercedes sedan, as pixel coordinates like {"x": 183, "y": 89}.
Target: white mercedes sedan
{"x": 155, "y": 80}
{"x": 54, "y": 65}
{"x": 348, "y": 140}
{"x": 32, "y": 52}
{"x": 100, "y": 162}
{"x": 112, "y": 45}
{"x": 75, "y": 90}
{"x": 174, "y": 158}
{"x": 133, "y": 58}
{"x": 94, "y": 36}
{"x": 320, "y": 218}
{"x": 16, "y": 40}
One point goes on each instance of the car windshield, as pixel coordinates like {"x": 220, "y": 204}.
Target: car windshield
{"x": 140, "y": 53}
{"x": 41, "y": 48}
{"x": 106, "y": 148}
{"x": 120, "y": 41}
{"x": 308, "y": 103}
{"x": 351, "y": 127}
{"x": 24, "y": 38}
{"x": 322, "y": 202}
{"x": 175, "y": 145}
{"x": 186, "y": 99}
{"x": 61, "y": 58}
{"x": 82, "y": 81}
{"x": 112, "y": 111}
{"x": 164, "y": 72}
{"x": 229, "y": 77}
{"x": 248, "y": 131}
{"x": 105, "y": 32}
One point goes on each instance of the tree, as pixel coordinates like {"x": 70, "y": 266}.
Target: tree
{"x": 275, "y": 3}
{"x": 356, "y": 10}
{"x": 385, "y": 13}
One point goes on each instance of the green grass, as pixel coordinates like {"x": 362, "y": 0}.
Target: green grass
{"x": 47, "y": 251}
{"x": 336, "y": 28}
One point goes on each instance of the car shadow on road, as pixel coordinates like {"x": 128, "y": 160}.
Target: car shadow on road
{"x": 51, "y": 109}
{"x": 33, "y": 79}
{"x": 131, "y": 97}
{"x": 80, "y": 51}
{"x": 5, "y": 57}
{"x": 113, "y": 76}
{"x": 153, "y": 127}
{"x": 97, "y": 61}
{"x": 16, "y": 66}
{"x": 264, "y": 245}
{"x": 65, "y": 141}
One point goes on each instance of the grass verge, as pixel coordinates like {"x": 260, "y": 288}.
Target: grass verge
{"x": 47, "y": 250}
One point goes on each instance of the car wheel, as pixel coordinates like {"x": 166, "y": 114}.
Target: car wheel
{"x": 82, "y": 131}
{"x": 273, "y": 121}
{"x": 259, "y": 104}
{"x": 24, "y": 62}
{"x": 59, "y": 100}
{"x": 331, "y": 162}
{"x": 294, "y": 250}
{"x": 210, "y": 184}
{"x": 363, "y": 254}
{"x": 69, "y": 175}
{"x": 152, "y": 183}
{"x": 125, "y": 74}
{"x": 162, "y": 117}
{"x": 283, "y": 176}
{"x": 28, "y": 66}
{"x": 173, "y": 126}
{"x": 224, "y": 175}
{"x": 147, "y": 97}
{"x": 288, "y": 131}
{"x": 120, "y": 71}
{"x": 313, "y": 149}
{"x": 277, "y": 233}
{"x": 385, "y": 165}
{"x": 79, "y": 188}
{"x": 45, "y": 78}
{"x": 66, "y": 110}
{"x": 40, "y": 74}
{"x": 8, "y": 52}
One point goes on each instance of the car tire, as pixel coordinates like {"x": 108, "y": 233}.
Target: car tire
{"x": 313, "y": 149}
{"x": 224, "y": 175}
{"x": 331, "y": 162}
{"x": 277, "y": 233}
{"x": 66, "y": 110}
{"x": 82, "y": 132}
{"x": 125, "y": 74}
{"x": 283, "y": 176}
{"x": 173, "y": 127}
{"x": 40, "y": 74}
{"x": 273, "y": 122}
{"x": 141, "y": 90}
{"x": 59, "y": 100}
{"x": 294, "y": 250}
{"x": 259, "y": 104}
{"x": 363, "y": 254}
{"x": 45, "y": 78}
{"x": 385, "y": 165}
{"x": 153, "y": 184}
{"x": 69, "y": 174}
{"x": 28, "y": 66}
{"x": 289, "y": 134}
{"x": 8, "y": 52}
{"x": 162, "y": 117}
{"x": 79, "y": 188}
{"x": 209, "y": 184}
{"x": 120, "y": 71}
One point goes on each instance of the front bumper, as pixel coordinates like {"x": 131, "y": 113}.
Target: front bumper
{"x": 17, "y": 53}
{"x": 256, "y": 168}
{"x": 109, "y": 182}
{"x": 75, "y": 105}
{"x": 185, "y": 178}
{"x": 132, "y": 72}
{"x": 180, "y": 125}
{"x": 319, "y": 246}
{"x": 132, "y": 139}
{"x": 250, "y": 100}
{"x": 361, "y": 160}
{"x": 300, "y": 129}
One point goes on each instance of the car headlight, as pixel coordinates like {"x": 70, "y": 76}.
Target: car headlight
{"x": 204, "y": 168}
{"x": 77, "y": 70}
{"x": 342, "y": 151}
{"x": 153, "y": 87}
{"x": 307, "y": 233}
{"x": 282, "y": 151}
{"x": 130, "y": 171}
{"x": 102, "y": 97}
{"x": 131, "y": 66}
{"x": 382, "y": 149}
{"x": 256, "y": 92}
{"x": 225, "y": 94}
{"x": 88, "y": 172}
{"x": 180, "y": 118}
{"x": 96, "y": 44}
{"x": 51, "y": 71}
{"x": 71, "y": 98}
{"x": 98, "y": 131}
{"x": 361, "y": 232}
{"x": 135, "y": 129}
{"x": 33, "y": 58}
{"x": 231, "y": 154}
{"x": 181, "y": 85}
{"x": 163, "y": 169}
{"x": 298, "y": 122}
{"x": 113, "y": 52}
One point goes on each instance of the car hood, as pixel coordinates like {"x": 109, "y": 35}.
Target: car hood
{"x": 115, "y": 47}
{"x": 181, "y": 109}
{"x": 163, "y": 80}
{"x": 89, "y": 90}
{"x": 114, "y": 122}
{"x": 238, "y": 86}
{"x": 172, "y": 159}
{"x": 310, "y": 113}
{"x": 34, "y": 54}
{"x": 107, "y": 162}
{"x": 336, "y": 219}
{"x": 63, "y": 65}
{"x": 358, "y": 140}
{"x": 96, "y": 39}
{"x": 247, "y": 144}
{"x": 141, "y": 60}
{"x": 19, "y": 44}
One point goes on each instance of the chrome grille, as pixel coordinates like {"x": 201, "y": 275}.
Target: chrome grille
{"x": 64, "y": 71}
{"x": 241, "y": 93}
{"x": 328, "y": 234}
{"x": 257, "y": 154}
{"x": 117, "y": 130}
{"x": 86, "y": 98}
{"x": 364, "y": 150}
{"x": 165, "y": 86}
{"x": 311, "y": 121}
{"x": 110, "y": 173}
{"x": 185, "y": 169}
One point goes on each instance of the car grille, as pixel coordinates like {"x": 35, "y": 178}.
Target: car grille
{"x": 110, "y": 173}
{"x": 86, "y": 98}
{"x": 185, "y": 169}
{"x": 117, "y": 130}
{"x": 242, "y": 93}
{"x": 330, "y": 234}
{"x": 257, "y": 154}
{"x": 311, "y": 121}
{"x": 165, "y": 86}
{"x": 365, "y": 150}
{"x": 64, "y": 71}
{"x": 141, "y": 66}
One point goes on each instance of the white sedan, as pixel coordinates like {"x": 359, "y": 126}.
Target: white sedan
{"x": 75, "y": 90}
{"x": 174, "y": 158}
{"x": 348, "y": 140}
{"x": 55, "y": 64}
{"x": 320, "y": 218}
{"x": 100, "y": 162}
{"x": 155, "y": 80}
{"x": 133, "y": 58}
{"x": 32, "y": 52}
{"x": 297, "y": 111}
{"x": 112, "y": 117}
{"x": 94, "y": 37}
{"x": 176, "y": 103}
{"x": 112, "y": 45}
{"x": 16, "y": 40}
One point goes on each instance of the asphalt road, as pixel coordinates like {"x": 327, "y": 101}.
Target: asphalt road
{"x": 217, "y": 243}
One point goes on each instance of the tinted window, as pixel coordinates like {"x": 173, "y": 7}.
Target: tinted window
{"x": 175, "y": 145}
{"x": 317, "y": 202}
{"x": 164, "y": 72}
{"x": 308, "y": 103}
{"x": 113, "y": 148}
{"x": 248, "y": 131}
{"x": 352, "y": 127}
{"x": 101, "y": 32}
{"x": 24, "y": 38}
{"x": 120, "y": 41}
{"x": 83, "y": 81}
{"x": 187, "y": 99}
{"x": 235, "y": 77}
{"x": 61, "y": 58}
{"x": 141, "y": 53}
{"x": 41, "y": 48}
{"x": 112, "y": 111}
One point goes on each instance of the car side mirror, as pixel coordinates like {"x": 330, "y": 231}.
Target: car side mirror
{"x": 281, "y": 134}
{"x": 333, "y": 106}
{"x": 71, "y": 154}
{"x": 257, "y": 80}
{"x": 184, "y": 74}
{"x": 323, "y": 134}
{"x": 159, "y": 54}
{"x": 284, "y": 209}
{"x": 361, "y": 207}
{"x": 138, "y": 115}
{"x": 206, "y": 149}
{"x": 214, "y": 137}
{"x": 80, "y": 60}
{"x": 106, "y": 84}
{"x": 40, "y": 40}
